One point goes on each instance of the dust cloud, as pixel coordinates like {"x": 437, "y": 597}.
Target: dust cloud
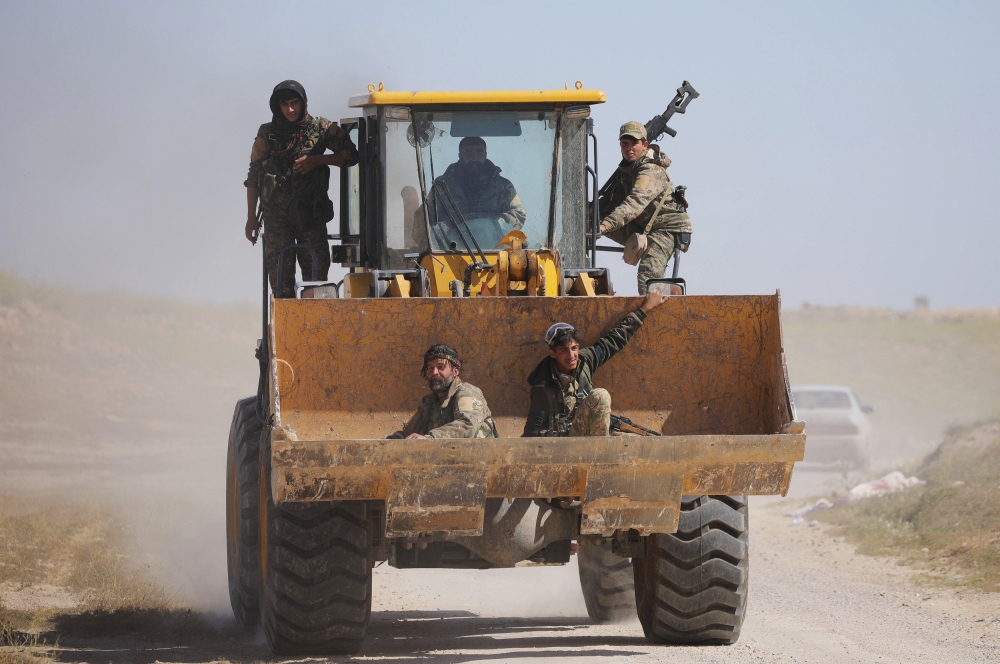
{"x": 128, "y": 400}
{"x": 923, "y": 371}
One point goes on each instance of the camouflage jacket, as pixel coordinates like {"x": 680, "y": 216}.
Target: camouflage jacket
{"x": 487, "y": 195}
{"x": 636, "y": 191}
{"x": 553, "y": 404}
{"x": 462, "y": 413}
{"x": 273, "y": 155}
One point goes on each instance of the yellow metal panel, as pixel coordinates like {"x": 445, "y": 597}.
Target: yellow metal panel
{"x": 442, "y": 269}
{"x": 403, "y": 98}
{"x": 706, "y": 371}
{"x": 625, "y": 496}
{"x": 358, "y": 284}
{"x": 435, "y": 498}
{"x": 553, "y": 278}
{"x": 350, "y": 368}
{"x": 442, "y": 485}
{"x": 399, "y": 286}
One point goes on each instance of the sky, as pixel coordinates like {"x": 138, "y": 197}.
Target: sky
{"x": 842, "y": 152}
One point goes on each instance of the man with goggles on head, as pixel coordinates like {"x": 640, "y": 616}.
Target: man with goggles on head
{"x": 564, "y": 401}
{"x": 453, "y": 409}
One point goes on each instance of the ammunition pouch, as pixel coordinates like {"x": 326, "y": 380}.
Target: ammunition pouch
{"x": 635, "y": 248}
{"x": 309, "y": 210}
{"x": 313, "y": 209}
{"x": 310, "y": 213}
{"x": 561, "y": 426}
{"x": 268, "y": 185}
{"x": 316, "y": 212}
{"x": 682, "y": 241}
{"x": 322, "y": 206}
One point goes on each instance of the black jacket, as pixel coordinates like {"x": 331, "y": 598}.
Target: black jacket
{"x": 552, "y": 407}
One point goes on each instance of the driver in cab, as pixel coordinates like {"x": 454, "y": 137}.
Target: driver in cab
{"x": 478, "y": 188}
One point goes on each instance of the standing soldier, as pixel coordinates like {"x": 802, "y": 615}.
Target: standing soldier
{"x": 291, "y": 176}
{"x": 640, "y": 210}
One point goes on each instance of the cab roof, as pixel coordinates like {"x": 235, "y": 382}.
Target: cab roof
{"x": 383, "y": 97}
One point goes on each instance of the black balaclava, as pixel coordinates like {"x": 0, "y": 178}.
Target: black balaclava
{"x": 282, "y": 92}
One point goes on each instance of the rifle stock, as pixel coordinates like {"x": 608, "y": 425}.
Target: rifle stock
{"x": 657, "y": 127}
{"x": 625, "y": 425}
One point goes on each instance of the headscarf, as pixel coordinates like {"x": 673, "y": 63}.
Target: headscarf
{"x": 441, "y": 351}
{"x": 282, "y": 92}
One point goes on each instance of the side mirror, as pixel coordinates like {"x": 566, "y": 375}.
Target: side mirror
{"x": 867, "y": 409}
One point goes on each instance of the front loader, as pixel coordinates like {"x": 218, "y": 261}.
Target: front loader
{"x": 317, "y": 495}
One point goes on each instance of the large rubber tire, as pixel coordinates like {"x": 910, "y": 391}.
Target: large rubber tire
{"x": 691, "y": 587}
{"x": 607, "y": 584}
{"x": 317, "y": 589}
{"x": 243, "y": 512}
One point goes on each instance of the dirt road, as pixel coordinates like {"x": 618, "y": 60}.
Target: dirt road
{"x": 812, "y": 600}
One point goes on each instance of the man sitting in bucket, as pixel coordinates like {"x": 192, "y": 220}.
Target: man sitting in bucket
{"x": 453, "y": 409}
{"x": 564, "y": 401}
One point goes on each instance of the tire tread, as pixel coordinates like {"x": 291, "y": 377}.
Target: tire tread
{"x": 317, "y": 595}
{"x": 696, "y": 579}
{"x": 607, "y": 583}
{"x": 244, "y": 552}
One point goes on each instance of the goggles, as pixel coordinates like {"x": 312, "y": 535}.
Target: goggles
{"x": 550, "y": 334}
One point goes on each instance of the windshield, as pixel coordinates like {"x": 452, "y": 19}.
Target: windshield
{"x": 494, "y": 168}
{"x": 814, "y": 399}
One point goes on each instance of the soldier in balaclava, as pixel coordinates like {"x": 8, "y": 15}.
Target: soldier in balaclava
{"x": 290, "y": 175}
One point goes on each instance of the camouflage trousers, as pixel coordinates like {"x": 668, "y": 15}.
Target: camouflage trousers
{"x": 278, "y": 234}
{"x": 660, "y": 238}
{"x": 653, "y": 264}
{"x": 593, "y": 415}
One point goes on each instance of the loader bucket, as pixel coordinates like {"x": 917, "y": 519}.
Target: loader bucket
{"x": 706, "y": 371}
{"x": 350, "y": 368}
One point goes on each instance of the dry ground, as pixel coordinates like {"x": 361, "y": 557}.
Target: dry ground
{"x": 924, "y": 372}
{"x": 112, "y": 454}
{"x": 948, "y": 527}
{"x": 813, "y": 599}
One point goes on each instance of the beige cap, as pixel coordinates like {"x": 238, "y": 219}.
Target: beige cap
{"x": 634, "y": 130}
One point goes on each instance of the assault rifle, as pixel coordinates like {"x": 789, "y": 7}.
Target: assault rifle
{"x": 657, "y": 127}
{"x": 625, "y": 425}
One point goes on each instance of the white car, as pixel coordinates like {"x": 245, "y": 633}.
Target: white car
{"x": 838, "y": 430}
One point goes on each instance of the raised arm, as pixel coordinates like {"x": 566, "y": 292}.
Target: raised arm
{"x": 619, "y": 336}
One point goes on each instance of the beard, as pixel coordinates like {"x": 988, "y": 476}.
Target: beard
{"x": 474, "y": 169}
{"x": 440, "y": 383}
